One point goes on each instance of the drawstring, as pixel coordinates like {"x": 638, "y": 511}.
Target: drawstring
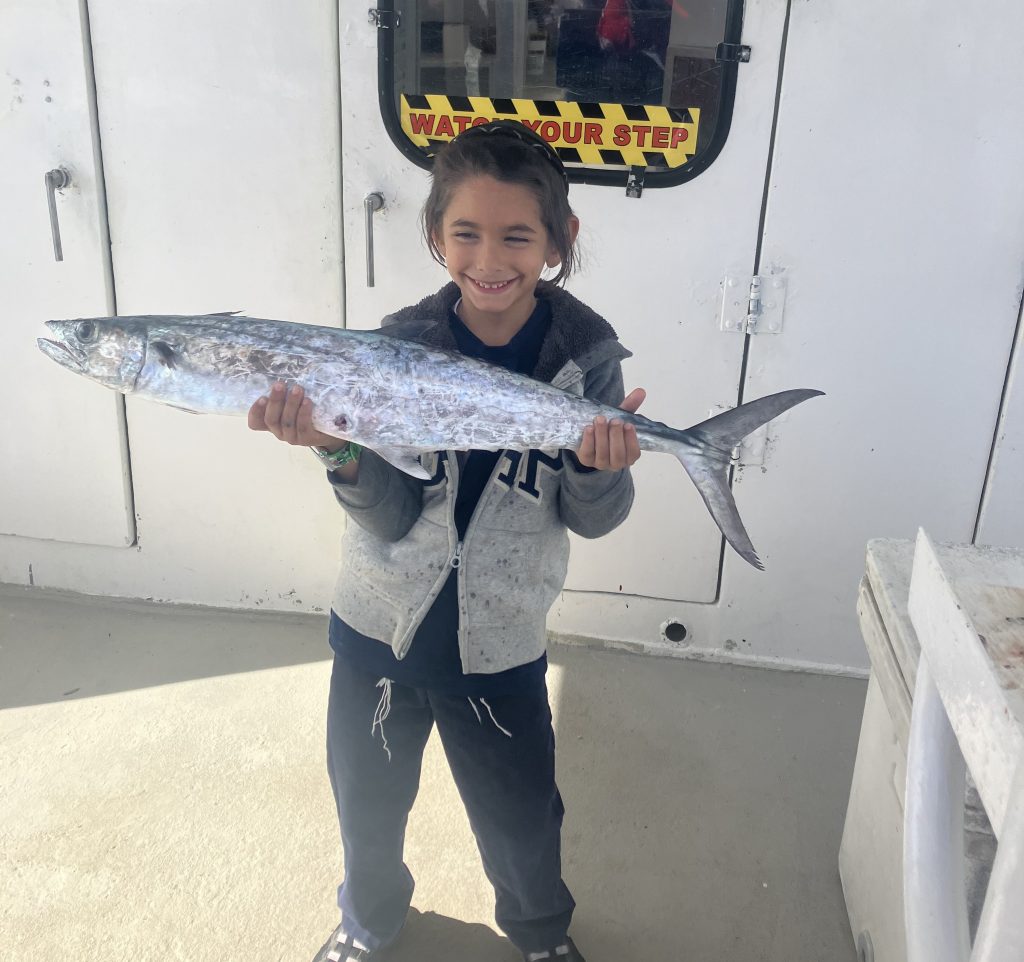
{"x": 382, "y": 712}
{"x": 384, "y": 709}
{"x": 483, "y": 701}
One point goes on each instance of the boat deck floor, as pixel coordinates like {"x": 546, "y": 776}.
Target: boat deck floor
{"x": 164, "y": 796}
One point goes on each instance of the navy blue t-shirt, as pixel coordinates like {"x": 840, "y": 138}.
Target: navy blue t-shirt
{"x": 433, "y": 660}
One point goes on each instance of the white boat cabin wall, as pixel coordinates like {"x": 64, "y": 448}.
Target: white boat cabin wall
{"x": 817, "y": 202}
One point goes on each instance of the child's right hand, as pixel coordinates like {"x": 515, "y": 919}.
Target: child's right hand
{"x": 612, "y": 445}
{"x": 289, "y": 417}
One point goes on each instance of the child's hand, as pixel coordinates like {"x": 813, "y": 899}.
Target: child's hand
{"x": 612, "y": 445}
{"x": 289, "y": 417}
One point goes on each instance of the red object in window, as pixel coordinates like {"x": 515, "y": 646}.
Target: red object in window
{"x": 615, "y": 28}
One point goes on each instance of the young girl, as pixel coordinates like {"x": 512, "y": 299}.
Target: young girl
{"x": 439, "y": 612}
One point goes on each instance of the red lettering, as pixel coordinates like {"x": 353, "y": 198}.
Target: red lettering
{"x": 659, "y": 137}
{"x": 444, "y": 127}
{"x": 532, "y": 124}
{"x": 621, "y": 138}
{"x": 641, "y": 130}
{"x": 463, "y": 122}
{"x": 592, "y": 134}
{"x": 479, "y": 121}
{"x": 572, "y": 132}
{"x": 549, "y": 130}
{"x": 422, "y": 123}
{"x": 679, "y": 134}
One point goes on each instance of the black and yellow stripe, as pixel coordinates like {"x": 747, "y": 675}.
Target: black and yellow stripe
{"x": 582, "y": 133}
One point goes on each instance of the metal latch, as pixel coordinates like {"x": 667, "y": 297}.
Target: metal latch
{"x": 750, "y": 452}
{"x": 635, "y": 181}
{"x": 384, "y": 19}
{"x": 733, "y": 53}
{"x": 752, "y": 449}
{"x": 55, "y": 180}
{"x": 753, "y": 305}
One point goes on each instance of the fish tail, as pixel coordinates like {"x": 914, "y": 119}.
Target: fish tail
{"x": 705, "y": 450}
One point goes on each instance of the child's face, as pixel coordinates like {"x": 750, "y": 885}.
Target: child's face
{"x": 495, "y": 246}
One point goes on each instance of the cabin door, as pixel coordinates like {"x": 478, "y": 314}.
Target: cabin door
{"x": 655, "y": 259}
{"x": 63, "y": 456}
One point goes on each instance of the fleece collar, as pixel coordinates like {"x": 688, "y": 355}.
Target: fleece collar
{"x": 576, "y": 334}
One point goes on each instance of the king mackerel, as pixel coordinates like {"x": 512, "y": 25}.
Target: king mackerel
{"x": 397, "y": 397}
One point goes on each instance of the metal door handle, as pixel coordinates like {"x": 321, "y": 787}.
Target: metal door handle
{"x": 371, "y": 204}
{"x": 55, "y": 180}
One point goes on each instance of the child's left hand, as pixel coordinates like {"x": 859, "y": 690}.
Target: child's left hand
{"x": 612, "y": 445}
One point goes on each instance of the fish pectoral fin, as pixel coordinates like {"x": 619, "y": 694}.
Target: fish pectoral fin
{"x": 405, "y": 459}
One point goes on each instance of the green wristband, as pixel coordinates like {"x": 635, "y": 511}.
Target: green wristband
{"x": 340, "y": 458}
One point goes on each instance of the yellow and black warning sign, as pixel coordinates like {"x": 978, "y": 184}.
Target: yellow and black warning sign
{"x": 581, "y": 133}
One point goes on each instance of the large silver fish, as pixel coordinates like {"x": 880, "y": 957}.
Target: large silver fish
{"x": 397, "y": 397}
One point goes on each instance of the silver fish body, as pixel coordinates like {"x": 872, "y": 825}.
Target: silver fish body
{"x": 397, "y": 397}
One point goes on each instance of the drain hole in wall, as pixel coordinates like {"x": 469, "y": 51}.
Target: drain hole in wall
{"x": 674, "y": 631}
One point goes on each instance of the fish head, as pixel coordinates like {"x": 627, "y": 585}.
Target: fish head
{"x": 100, "y": 348}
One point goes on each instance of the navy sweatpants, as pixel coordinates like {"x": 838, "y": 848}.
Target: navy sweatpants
{"x": 502, "y": 755}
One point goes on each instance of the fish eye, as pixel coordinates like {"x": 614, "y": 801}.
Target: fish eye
{"x": 85, "y": 331}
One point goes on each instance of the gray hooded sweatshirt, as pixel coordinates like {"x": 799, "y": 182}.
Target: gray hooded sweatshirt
{"x": 512, "y": 561}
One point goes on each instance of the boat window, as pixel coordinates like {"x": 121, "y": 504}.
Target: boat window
{"x": 622, "y": 89}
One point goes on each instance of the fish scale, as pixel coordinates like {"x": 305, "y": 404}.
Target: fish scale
{"x": 399, "y": 398}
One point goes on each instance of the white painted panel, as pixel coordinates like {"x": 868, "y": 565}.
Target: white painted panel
{"x": 895, "y": 271}
{"x": 652, "y": 266}
{"x": 62, "y": 467}
{"x": 1002, "y": 514}
{"x": 896, "y": 208}
{"x": 220, "y": 133}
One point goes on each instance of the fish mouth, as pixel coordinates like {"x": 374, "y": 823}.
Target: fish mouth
{"x": 62, "y": 353}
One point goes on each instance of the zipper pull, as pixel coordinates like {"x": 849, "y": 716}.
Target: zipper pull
{"x": 457, "y": 557}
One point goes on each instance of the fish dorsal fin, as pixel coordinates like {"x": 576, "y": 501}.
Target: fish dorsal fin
{"x": 405, "y": 459}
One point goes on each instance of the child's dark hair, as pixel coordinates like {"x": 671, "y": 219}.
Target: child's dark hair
{"x": 510, "y": 152}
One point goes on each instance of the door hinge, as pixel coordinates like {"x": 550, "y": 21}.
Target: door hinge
{"x": 753, "y": 305}
{"x": 750, "y": 452}
{"x": 752, "y": 448}
{"x": 733, "y": 53}
{"x": 384, "y": 19}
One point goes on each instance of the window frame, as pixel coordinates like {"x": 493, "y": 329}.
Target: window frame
{"x": 613, "y": 177}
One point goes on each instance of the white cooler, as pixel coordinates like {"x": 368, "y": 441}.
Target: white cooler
{"x": 871, "y": 853}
